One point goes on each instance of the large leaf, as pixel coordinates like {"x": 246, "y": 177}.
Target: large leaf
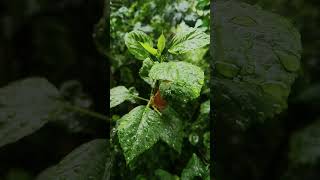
{"x": 180, "y": 81}
{"x": 171, "y": 128}
{"x": 305, "y": 145}
{"x": 188, "y": 39}
{"x": 120, "y": 94}
{"x": 133, "y": 42}
{"x": 195, "y": 168}
{"x": 138, "y": 131}
{"x": 26, "y": 106}
{"x": 256, "y": 60}
{"x": 86, "y": 162}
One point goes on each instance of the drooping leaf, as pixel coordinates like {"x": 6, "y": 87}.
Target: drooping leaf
{"x": 164, "y": 175}
{"x": 161, "y": 43}
{"x": 120, "y": 94}
{"x": 305, "y": 145}
{"x": 256, "y": 60}
{"x": 26, "y": 106}
{"x": 188, "y": 39}
{"x": 195, "y": 168}
{"x": 180, "y": 81}
{"x": 138, "y": 131}
{"x": 85, "y": 162}
{"x": 133, "y": 42}
{"x": 144, "y": 71}
{"x": 171, "y": 129}
{"x": 149, "y": 48}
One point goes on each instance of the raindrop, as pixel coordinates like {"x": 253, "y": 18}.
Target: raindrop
{"x": 226, "y": 69}
{"x": 275, "y": 88}
{"x": 243, "y": 21}
{"x": 289, "y": 61}
{"x": 193, "y": 138}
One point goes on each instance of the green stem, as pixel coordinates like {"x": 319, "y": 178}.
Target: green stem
{"x": 84, "y": 111}
{"x": 138, "y": 97}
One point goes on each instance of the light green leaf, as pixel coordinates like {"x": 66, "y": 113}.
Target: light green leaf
{"x": 164, "y": 175}
{"x": 195, "y": 168}
{"x": 180, "y": 81}
{"x": 138, "y": 131}
{"x": 187, "y": 40}
{"x": 26, "y": 106}
{"x": 256, "y": 60}
{"x": 305, "y": 145}
{"x": 171, "y": 129}
{"x": 133, "y": 42}
{"x": 120, "y": 94}
{"x": 161, "y": 43}
{"x": 144, "y": 71}
{"x": 85, "y": 162}
{"x": 149, "y": 48}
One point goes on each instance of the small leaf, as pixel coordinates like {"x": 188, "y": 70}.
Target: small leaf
{"x": 164, "y": 175}
{"x": 187, "y": 40}
{"x": 144, "y": 71}
{"x": 26, "y": 106}
{"x": 138, "y": 131}
{"x": 120, "y": 94}
{"x": 85, "y": 162}
{"x": 149, "y": 48}
{"x": 195, "y": 168}
{"x": 133, "y": 40}
{"x": 161, "y": 43}
{"x": 181, "y": 81}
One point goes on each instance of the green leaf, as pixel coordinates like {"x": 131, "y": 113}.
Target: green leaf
{"x": 120, "y": 94}
{"x": 171, "y": 129}
{"x": 255, "y": 63}
{"x": 305, "y": 145}
{"x": 26, "y": 106}
{"x": 149, "y": 48}
{"x": 188, "y": 39}
{"x": 161, "y": 43}
{"x": 164, "y": 175}
{"x": 85, "y": 162}
{"x": 195, "y": 168}
{"x": 144, "y": 71}
{"x": 138, "y": 131}
{"x": 133, "y": 42}
{"x": 180, "y": 81}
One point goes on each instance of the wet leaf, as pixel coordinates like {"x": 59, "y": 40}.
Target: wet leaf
{"x": 188, "y": 39}
{"x": 164, "y": 175}
{"x": 133, "y": 42}
{"x": 85, "y": 162}
{"x": 120, "y": 94}
{"x": 256, "y": 60}
{"x": 180, "y": 81}
{"x": 195, "y": 168}
{"x": 26, "y": 106}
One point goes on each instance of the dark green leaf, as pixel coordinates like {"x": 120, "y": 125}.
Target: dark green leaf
{"x": 144, "y": 71}
{"x": 25, "y": 106}
{"x": 305, "y": 145}
{"x": 133, "y": 42}
{"x": 256, "y": 60}
{"x": 85, "y": 162}
{"x": 195, "y": 168}
{"x": 164, "y": 175}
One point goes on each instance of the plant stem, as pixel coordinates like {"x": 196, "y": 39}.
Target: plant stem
{"x": 138, "y": 97}
{"x": 85, "y": 111}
